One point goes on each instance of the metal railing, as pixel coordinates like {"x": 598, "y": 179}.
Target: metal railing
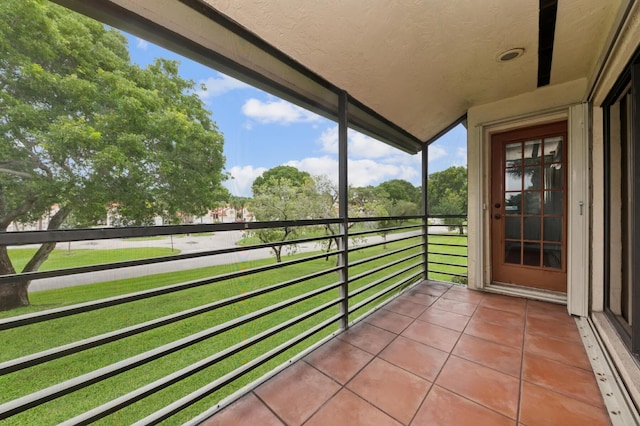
{"x": 447, "y": 248}
{"x": 178, "y": 345}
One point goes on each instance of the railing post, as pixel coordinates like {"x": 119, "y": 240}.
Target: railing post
{"x": 425, "y": 211}
{"x": 343, "y": 207}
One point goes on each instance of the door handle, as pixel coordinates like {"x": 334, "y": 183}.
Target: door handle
{"x": 497, "y": 215}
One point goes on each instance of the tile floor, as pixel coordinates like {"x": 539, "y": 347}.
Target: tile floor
{"x": 438, "y": 355}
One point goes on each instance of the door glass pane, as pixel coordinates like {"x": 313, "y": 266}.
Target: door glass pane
{"x": 532, "y": 228}
{"x": 532, "y": 152}
{"x": 553, "y": 176}
{"x": 531, "y": 254}
{"x": 512, "y": 252}
{"x": 532, "y": 203}
{"x": 512, "y": 227}
{"x": 512, "y": 203}
{"x": 553, "y": 229}
{"x": 553, "y": 149}
{"x": 552, "y": 202}
{"x": 553, "y": 256}
{"x": 513, "y": 154}
{"x": 532, "y": 177}
{"x": 513, "y": 180}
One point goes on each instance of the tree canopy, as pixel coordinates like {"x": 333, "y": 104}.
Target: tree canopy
{"x": 447, "y": 194}
{"x": 84, "y": 129}
{"x": 401, "y": 190}
{"x": 294, "y": 176}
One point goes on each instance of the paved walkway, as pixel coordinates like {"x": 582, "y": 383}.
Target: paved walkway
{"x": 185, "y": 244}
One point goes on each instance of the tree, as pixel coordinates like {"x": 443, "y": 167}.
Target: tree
{"x": 401, "y": 190}
{"x": 278, "y": 198}
{"x": 294, "y": 176}
{"x": 84, "y": 129}
{"x": 238, "y": 204}
{"x": 448, "y": 194}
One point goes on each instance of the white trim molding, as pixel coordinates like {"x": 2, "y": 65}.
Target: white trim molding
{"x": 578, "y": 211}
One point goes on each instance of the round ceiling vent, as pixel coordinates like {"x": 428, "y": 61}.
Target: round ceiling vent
{"x": 510, "y": 54}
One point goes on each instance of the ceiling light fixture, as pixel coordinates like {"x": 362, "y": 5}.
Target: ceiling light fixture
{"x": 510, "y": 54}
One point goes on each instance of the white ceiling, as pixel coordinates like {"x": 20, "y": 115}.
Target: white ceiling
{"x": 421, "y": 64}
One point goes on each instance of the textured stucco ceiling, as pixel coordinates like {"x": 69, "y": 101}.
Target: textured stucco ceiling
{"x": 422, "y": 64}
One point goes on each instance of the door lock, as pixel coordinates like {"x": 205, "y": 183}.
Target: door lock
{"x": 497, "y": 215}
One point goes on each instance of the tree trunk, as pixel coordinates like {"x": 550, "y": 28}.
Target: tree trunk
{"x": 278, "y": 252}
{"x": 15, "y": 294}
{"x": 12, "y": 294}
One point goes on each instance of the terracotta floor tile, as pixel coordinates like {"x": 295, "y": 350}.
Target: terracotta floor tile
{"x": 550, "y": 327}
{"x": 432, "y": 335}
{"x": 567, "y": 352}
{"x": 464, "y": 295}
{"x": 495, "y": 390}
{"x": 490, "y": 354}
{"x": 542, "y": 407}
{"x": 297, "y": 392}
{"x": 390, "y": 321}
{"x": 246, "y": 411}
{"x": 433, "y": 289}
{"x": 562, "y": 318}
{"x": 390, "y": 388}
{"x": 367, "y": 337}
{"x": 405, "y": 307}
{"x": 416, "y": 296}
{"x": 505, "y": 303}
{"x": 506, "y": 318}
{"x": 443, "y": 408}
{"x": 446, "y": 319}
{"x": 346, "y": 408}
{"x": 561, "y": 378}
{"x": 458, "y": 307}
{"x": 415, "y": 357}
{"x": 471, "y": 344}
{"x": 339, "y": 360}
{"x": 496, "y": 333}
{"x": 545, "y": 309}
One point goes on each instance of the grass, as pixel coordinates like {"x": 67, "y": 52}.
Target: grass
{"x": 62, "y": 258}
{"x": 37, "y": 337}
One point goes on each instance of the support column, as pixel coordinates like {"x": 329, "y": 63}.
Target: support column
{"x": 343, "y": 208}
{"x": 425, "y": 212}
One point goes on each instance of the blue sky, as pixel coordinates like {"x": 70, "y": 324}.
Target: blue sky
{"x": 262, "y": 131}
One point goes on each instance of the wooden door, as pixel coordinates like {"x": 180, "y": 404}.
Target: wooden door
{"x": 528, "y": 207}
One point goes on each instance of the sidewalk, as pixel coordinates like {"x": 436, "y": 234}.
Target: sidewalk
{"x": 185, "y": 244}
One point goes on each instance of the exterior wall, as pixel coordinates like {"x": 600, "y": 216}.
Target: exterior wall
{"x": 546, "y": 104}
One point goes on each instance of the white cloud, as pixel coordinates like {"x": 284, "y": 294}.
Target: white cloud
{"x": 317, "y": 166}
{"x": 242, "y": 179}
{"x": 360, "y": 145}
{"x": 216, "y": 86}
{"x": 461, "y": 157}
{"x": 436, "y": 152}
{"x": 280, "y": 111}
{"x": 329, "y": 140}
{"x": 363, "y": 146}
{"x": 142, "y": 44}
{"x": 369, "y": 172}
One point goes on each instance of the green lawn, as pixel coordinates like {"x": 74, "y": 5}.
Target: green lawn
{"x": 62, "y": 258}
{"x": 37, "y": 337}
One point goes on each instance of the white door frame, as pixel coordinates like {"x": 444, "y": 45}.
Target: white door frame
{"x": 578, "y": 207}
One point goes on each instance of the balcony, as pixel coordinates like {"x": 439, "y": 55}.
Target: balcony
{"x": 440, "y": 355}
{"x": 371, "y": 339}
